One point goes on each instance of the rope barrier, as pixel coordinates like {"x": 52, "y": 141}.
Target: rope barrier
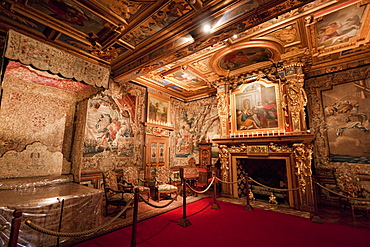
{"x": 156, "y": 206}
{"x": 226, "y": 182}
{"x": 203, "y": 191}
{"x": 277, "y": 189}
{"x": 75, "y": 234}
{"x": 341, "y": 195}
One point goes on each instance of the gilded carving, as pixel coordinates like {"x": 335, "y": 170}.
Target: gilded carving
{"x": 123, "y": 8}
{"x": 287, "y": 34}
{"x": 157, "y": 131}
{"x": 257, "y": 150}
{"x": 297, "y": 100}
{"x": 240, "y": 149}
{"x": 303, "y": 157}
{"x": 279, "y": 148}
{"x": 224, "y": 159}
{"x": 222, "y": 112}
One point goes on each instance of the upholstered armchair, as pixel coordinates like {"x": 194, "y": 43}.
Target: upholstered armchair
{"x": 130, "y": 177}
{"x": 115, "y": 193}
{"x": 162, "y": 183}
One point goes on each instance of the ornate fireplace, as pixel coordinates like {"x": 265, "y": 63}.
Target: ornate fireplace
{"x": 291, "y": 152}
{"x": 262, "y": 117}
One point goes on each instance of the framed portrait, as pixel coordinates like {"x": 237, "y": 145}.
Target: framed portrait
{"x": 255, "y": 107}
{"x": 158, "y": 110}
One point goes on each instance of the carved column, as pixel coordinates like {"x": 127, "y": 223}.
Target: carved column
{"x": 225, "y": 168}
{"x": 303, "y": 157}
{"x": 297, "y": 101}
{"x": 222, "y": 106}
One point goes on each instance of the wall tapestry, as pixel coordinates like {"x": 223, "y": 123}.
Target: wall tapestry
{"x": 347, "y": 121}
{"x": 194, "y": 121}
{"x": 114, "y": 124}
{"x": 338, "y": 108}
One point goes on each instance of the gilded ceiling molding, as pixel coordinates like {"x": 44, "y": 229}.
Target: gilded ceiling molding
{"x": 45, "y": 57}
{"x": 240, "y": 57}
{"x": 269, "y": 73}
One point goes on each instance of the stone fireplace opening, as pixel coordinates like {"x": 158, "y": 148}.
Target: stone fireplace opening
{"x": 269, "y": 172}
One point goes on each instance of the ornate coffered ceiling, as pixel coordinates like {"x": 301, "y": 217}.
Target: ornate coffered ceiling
{"x": 161, "y": 43}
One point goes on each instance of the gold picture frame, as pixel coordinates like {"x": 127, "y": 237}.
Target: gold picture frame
{"x": 158, "y": 110}
{"x": 255, "y": 109}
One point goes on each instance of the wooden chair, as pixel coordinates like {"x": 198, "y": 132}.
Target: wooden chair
{"x": 163, "y": 183}
{"x": 115, "y": 193}
{"x": 130, "y": 178}
{"x": 202, "y": 181}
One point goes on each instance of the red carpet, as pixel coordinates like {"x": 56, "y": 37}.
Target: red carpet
{"x": 231, "y": 225}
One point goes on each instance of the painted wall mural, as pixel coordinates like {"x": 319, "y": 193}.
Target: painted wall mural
{"x": 244, "y": 57}
{"x": 162, "y": 18}
{"x": 114, "y": 125}
{"x": 340, "y": 26}
{"x": 194, "y": 121}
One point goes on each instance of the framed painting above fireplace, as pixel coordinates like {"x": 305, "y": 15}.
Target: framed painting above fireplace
{"x": 255, "y": 107}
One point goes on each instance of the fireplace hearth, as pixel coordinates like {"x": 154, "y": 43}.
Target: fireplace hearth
{"x": 268, "y": 172}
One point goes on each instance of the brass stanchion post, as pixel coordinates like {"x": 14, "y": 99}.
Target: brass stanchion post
{"x": 14, "y": 230}
{"x": 315, "y": 218}
{"x": 214, "y": 205}
{"x": 184, "y": 222}
{"x": 134, "y": 217}
{"x": 248, "y": 206}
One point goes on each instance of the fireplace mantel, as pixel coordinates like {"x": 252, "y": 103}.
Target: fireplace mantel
{"x": 295, "y": 149}
{"x": 260, "y": 140}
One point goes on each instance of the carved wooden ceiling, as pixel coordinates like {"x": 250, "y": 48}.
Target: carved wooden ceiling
{"x": 162, "y": 43}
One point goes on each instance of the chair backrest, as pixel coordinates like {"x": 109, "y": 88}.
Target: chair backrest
{"x": 349, "y": 187}
{"x": 192, "y": 162}
{"x": 110, "y": 182}
{"x": 191, "y": 172}
{"x": 162, "y": 175}
{"x": 131, "y": 175}
{"x": 203, "y": 176}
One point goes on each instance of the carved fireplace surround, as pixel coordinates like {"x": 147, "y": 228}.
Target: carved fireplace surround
{"x": 295, "y": 149}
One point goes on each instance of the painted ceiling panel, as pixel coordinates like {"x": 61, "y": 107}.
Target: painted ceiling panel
{"x": 162, "y": 43}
